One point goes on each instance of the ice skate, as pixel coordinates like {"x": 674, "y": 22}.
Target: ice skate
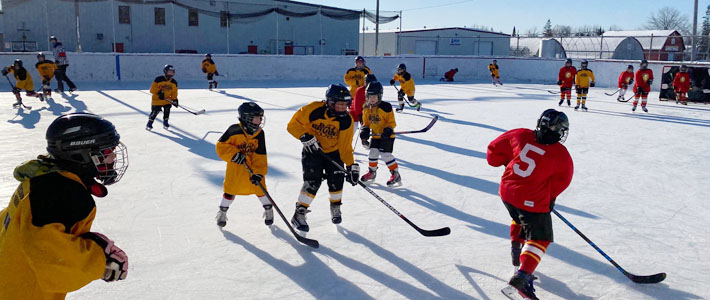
{"x": 395, "y": 179}
{"x": 644, "y": 109}
{"x": 268, "y": 214}
{"x": 369, "y": 176}
{"x": 299, "y": 217}
{"x": 215, "y": 84}
{"x": 210, "y": 86}
{"x": 166, "y": 126}
{"x": 576, "y": 107}
{"x": 523, "y": 282}
{"x": 633, "y": 108}
{"x": 149, "y": 126}
{"x": 335, "y": 212}
{"x": 584, "y": 108}
{"x": 71, "y": 90}
{"x": 222, "y": 216}
{"x": 560, "y": 104}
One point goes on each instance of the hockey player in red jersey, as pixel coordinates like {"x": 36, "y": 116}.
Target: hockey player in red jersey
{"x": 626, "y": 78}
{"x": 642, "y": 85}
{"x": 681, "y": 85}
{"x": 565, "y": 79}
{"x": 537, "y": 169}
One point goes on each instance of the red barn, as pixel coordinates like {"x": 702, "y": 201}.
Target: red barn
{"x": 664, "y": 45}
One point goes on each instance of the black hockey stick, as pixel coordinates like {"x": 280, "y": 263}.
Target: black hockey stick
{"x": 187, "y": 109}
{"x": 307, "y": 241}
{"x": 655, "y": 278}
{"x": 612, "y": 94}
{"x": 424, "y": 232}
{"x": 425, "y": 129}
{"x": 553, "y": 92}
{"x": 20, "y": 101}
{"x": 403, "y": 98}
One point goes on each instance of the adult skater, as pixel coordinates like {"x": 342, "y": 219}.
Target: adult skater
{"x": 60, "y": 58}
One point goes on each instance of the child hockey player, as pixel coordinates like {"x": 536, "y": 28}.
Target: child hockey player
{"x": 244, "y": 144}
{"x": 359, "y": 101}
{"x": 23, "y": 81}
{"x": 565, "y": 79}
{"x": 47, "y": 246}
{"x": 355, "y": 77}
{"x": 642, "y": 85}
{"x": 537, "y": 169}
{"x": 378, "y": 120}
{"x": 626, "y": 78}
{"x": 46, "y": 69}
{"x": 165, "y": 93}
{"x": 449, "y": 76}
{"x": 681, "y": 85}
{"x": 406, "y": 87}
{"x": 582, "y": 82}
{"x": 493, "y": 68}
{"x": 210, "y": 68}
{"x": 326, "y": 132}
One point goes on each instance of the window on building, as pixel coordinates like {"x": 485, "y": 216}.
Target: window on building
{"x": 159, "y": 16}
{"x": 223, "y": 19}
{"x": 124, "y": 15}
{"x": 672, "y": 41}
{"x": 193, "y": 18}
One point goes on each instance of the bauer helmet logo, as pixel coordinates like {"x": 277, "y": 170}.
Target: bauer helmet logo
{"x": 81, "y": 143}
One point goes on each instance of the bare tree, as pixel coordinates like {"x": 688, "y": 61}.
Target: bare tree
{"x": 562, "y": 31}
{"x": 532, "y": 32}
{"x": 668, "y": 18}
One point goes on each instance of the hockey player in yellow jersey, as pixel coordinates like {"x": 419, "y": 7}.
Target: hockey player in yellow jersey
{"x": 165, "y": 94}
{"x": 355, "y": 77}
{"x": 406, "y": 87}
{"x": 378, "y": 121}
{"x": 582, "y": 82}
{"x": 47, "y": 247}
{"x": 325, "y": 128}
{"x": 46, "y": 69}
{"x": 244, "y": 144}
{"x": 495, "y": 74}
{"x": 23, "y": 81}
{"x": 209, "y": 67}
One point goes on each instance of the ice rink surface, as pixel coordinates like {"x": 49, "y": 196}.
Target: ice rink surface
{"x": 640, "y": 192}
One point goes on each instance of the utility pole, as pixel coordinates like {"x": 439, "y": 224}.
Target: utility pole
{"x": 695, "y": 30}
{"x": 377, "y": 27}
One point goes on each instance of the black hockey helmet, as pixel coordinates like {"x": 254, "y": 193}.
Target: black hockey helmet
{"x": 337, "y": 93}
{"x": 568, "y": 61}
{"x": 360, "y": 58}
{"x": 644, "y": 64}
{"x": 208, "y": 55}
{"x": 375, "y": 88}
{"x": 684, "y": 68}
{"x": 456, "y": 69}
{"x": 52, "y": 38}
{"x": 247, "y": 112}
{"x": 402, "y": 67}
{"x": 87, "y": 145}
{"x": 370, "y": 78}
{"x": 630, "y": 67}
{"x": 584, "y": 64}
{"x": 40, "y": 54}
{"x": 17, "y": 63}
{"x": 167, "y": 68}
{"x": 552, "y": 127}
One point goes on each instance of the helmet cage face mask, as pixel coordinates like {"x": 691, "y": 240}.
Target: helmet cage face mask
{"x": 330, "y": 102}
{"x": 247, "y": 121}
{"x": 111, "y": 163}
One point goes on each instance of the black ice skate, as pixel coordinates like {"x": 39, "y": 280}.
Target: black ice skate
{"x": 299, "y": 217}
{"x": 335, "y": 212}
{"x": 633, "y": 108}
{"x": 395, "y": 179}
{"x": 576, "y": 107}
{"x": 166, "y": 126}
{"x": 523, "y": 282}
{"x": 268, "y": 214}
{"x": 644, "y": 109}
{"x": 222, "y": 216}
{"x": 584, "y": 108}
{"x": 149, "y": 126}
{"x": 561, "y": 101}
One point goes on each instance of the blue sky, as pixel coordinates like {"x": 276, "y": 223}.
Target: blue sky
{"x": 502, "y": 15}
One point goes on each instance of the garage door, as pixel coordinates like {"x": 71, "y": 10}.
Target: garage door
{"x": 483, "y": 48}
{"x": 425, "y": 47}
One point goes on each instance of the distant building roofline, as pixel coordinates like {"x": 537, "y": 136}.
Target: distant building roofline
{"x": 437, "y": 29}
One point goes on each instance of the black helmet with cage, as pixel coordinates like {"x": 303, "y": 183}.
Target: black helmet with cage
{"x": 684, "y": 68}
{"x": 337, "y": 93}
{"x": 644, "y": 64}
{"x": 167, "y": 68}
{"x": 375, "y": 88}
{"x": 87, "y": 145}
{"x": 247, "y": 112}
{"x": 552, "y": 127}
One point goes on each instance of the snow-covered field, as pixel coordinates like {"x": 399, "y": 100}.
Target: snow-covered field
{"x": 639, "y": 192}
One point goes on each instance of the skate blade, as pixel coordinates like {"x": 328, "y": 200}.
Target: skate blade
{"x": 396, "y": 184}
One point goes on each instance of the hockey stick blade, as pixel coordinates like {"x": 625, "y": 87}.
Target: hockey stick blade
{"x": 612, "y": 94}
{"x": 425, "y": 129}
{"x": 553, "y": 92}
{"x": 648, "y": 279}
{"x": 202, "y": 111}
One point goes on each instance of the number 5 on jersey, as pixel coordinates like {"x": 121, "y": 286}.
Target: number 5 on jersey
{"x": 531, "y": 163}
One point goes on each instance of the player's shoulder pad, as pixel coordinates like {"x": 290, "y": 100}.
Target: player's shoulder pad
{"x": 38, "y": 63}
{"x": 159, "y": 79}
{"x": 385, "y": 106}
{"x": 406, "y": 76}
{"x": 366, "y": 70}
{"x": 173, "y": 81}
{"x": 58, "y": 199}
{"x": 345, "y": 122}
{"x": 351, "y": 70}
{"x": 234, "y": 129}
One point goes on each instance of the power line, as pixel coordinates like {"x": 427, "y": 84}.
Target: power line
{"x": 440, "y": 5}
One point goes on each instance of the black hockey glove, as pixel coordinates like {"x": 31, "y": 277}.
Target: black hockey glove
{"x": 310, "y": 144}
{"x": 256, "y": 179}
{"x": 175, "y": 103}
{"x": 387, "y": 133}
{"x": 591, "y": 84}
{"x": 552, "y": 204}
{"x": 631, "y": 82}
{"x": 204, "y": 70}
{"x": 365, "y": 133}
{"x": 391, "y": 81}
{"x": 239, "y": 158}
{"x": 161, "y": 95}
{"x": 649, "y": 82}
{"x": 116, "y": 259}
{"x": 216, "y": 73}
{"x": 559, "y": 82}
{"x": 353, "y": 174}
{"x": 5, "y": 71}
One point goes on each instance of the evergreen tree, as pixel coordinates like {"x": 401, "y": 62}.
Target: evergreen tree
{"x": 547, "y": 30}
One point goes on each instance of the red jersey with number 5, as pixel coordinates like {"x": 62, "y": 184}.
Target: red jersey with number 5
{"x": 534, "y": 173}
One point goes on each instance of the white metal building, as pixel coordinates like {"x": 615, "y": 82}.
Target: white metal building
{"x": 437, "y": 41}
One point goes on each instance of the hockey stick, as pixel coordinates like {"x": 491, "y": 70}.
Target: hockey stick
{"x": 655, "y": 278}
{"x": 403, "y": 98}
{"x": 13, "y": 89}
{"x": 425, "y": 129}
{"x": 307, "y": 241}
{"x": 626, "y": 100}
{"x": 424, "y": 232}
{"x": 553, "y": 92}
{"x": 187, "y": 109}
{"x": 612, "y": 94}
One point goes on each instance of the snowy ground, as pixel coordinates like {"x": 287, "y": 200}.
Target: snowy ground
{"x": 639, "y": 192}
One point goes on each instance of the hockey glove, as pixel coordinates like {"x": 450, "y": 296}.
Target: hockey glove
{"x": 649, "y": 82}
{"x": 204, "y": 70}
{"x": 387, "y": 133}
{"x": 391, "y": 81}
{"x": 559, "y": 82}
{"x": 256, "y": 179}
{"x": 216, "y": 73}
{"x": 175, "y": 103}
{"x": 400, "y": 94}
{"x": 116, "y": 259}
{"x": 591, "y": 84}
{"x": 310, "y": 144}
{"x": 239, "y": 158}
{"x": 353, "y": 174}
{"x": 5, "y": 71}
{"x": 161, "y": 95}
{"x": 631, "y": 82}
{"x": 552, "y": 204}
{"x": 365, "y": 133}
